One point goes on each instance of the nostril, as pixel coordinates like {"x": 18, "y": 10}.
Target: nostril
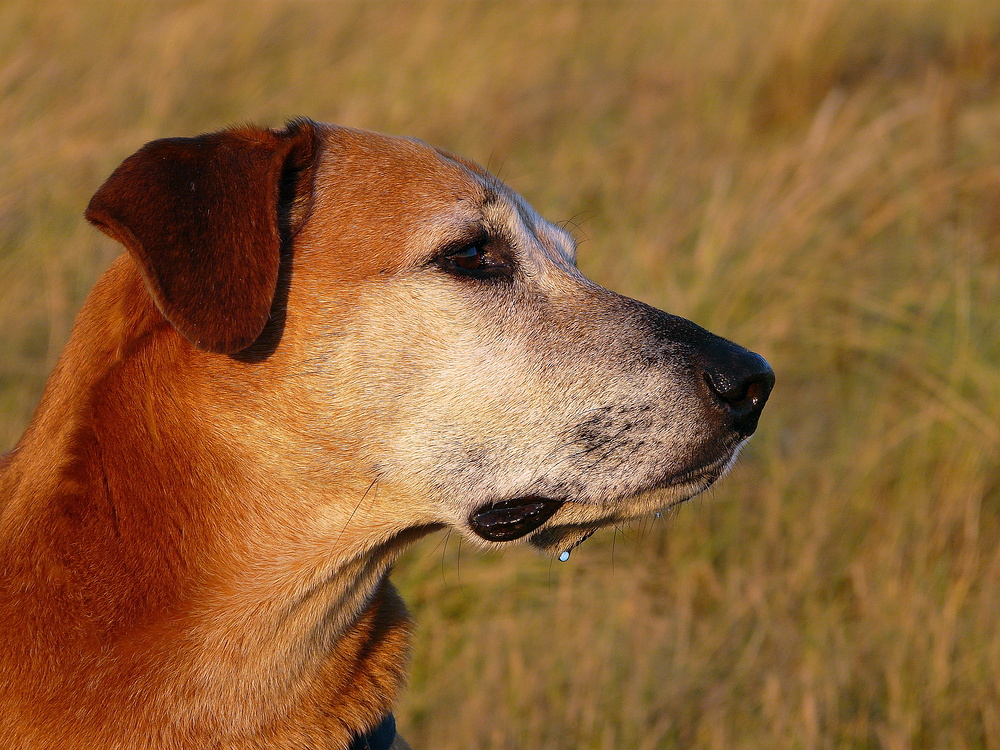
{"x": 743, "y": 391}
{"x": 744, "y": 394}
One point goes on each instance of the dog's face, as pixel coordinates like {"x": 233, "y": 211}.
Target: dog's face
{"x": 447, "y": 353}
{"x": 493, "y": 385}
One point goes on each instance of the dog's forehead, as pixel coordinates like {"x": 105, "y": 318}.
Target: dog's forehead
{"x": 381, "y": 202}
{"x": 377, "y": 197}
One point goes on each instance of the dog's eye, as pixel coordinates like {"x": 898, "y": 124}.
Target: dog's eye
{"x": 476, "y": 260}
{"x": 469, "y": 258}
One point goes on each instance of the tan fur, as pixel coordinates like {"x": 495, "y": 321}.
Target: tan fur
{"x": 195, "y": 534}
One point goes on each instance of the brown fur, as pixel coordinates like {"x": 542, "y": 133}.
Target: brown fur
{"x": 197, "y": 527}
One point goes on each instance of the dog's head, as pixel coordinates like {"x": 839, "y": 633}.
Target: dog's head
{"x": 428, "y": 337}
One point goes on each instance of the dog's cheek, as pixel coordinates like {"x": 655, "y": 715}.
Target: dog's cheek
{"x": 418, "y": 389}
{"x": 461, "y": 400}
{"x": 473, "y": 432}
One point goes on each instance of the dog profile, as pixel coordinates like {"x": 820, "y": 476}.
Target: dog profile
{"x": 320, "y": 345}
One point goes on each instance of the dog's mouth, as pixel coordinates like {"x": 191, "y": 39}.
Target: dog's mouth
{"x": 508, "y": 520}
{"x": 523, "y": 517}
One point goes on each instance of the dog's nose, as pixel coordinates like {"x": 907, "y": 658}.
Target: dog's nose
{"x": 740, "y": 381}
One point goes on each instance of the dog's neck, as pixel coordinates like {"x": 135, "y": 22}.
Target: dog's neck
{"x": 197, "y": 585}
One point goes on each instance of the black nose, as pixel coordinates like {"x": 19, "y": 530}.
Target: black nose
{"x": 740, "y": 381}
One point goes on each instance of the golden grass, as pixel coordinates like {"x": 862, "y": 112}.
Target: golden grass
{"x": 816, "y": 179}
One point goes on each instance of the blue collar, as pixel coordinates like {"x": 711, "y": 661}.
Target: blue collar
{"x": 380, "y": 738}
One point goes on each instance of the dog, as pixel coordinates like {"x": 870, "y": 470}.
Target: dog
{"x": 320, "y": 345}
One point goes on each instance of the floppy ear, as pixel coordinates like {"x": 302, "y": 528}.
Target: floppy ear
{"x": 205, "y": 219}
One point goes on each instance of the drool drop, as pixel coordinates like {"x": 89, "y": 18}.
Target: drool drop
{"x": 564, "y": 556}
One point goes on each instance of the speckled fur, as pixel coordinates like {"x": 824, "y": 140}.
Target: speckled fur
{"x": 275, "y": 390}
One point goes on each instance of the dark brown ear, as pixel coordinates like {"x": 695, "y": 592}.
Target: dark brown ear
{"x": 204, "y": 218}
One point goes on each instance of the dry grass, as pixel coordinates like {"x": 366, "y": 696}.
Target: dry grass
{"x": 818, "y": 180}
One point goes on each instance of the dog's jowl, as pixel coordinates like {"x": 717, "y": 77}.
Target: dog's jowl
{"x": 319, "y": 345}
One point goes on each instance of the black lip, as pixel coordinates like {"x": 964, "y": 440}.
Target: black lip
{"x": 511, "y": 519}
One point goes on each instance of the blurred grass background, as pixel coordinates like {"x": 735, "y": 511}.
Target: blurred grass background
{"x": 819, "y": 181}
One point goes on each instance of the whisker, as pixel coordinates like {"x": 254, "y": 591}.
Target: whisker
{"x": 577, "y": 225}
{"x": 351, "y": 517}
{"x": 444, "y": 554}
{"x": 614, "y": 541}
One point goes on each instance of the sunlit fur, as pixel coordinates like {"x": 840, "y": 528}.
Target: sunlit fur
{"x": 195, "y": 541}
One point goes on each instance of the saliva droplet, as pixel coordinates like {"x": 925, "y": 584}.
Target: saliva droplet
{"x": 564, "y": 555}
